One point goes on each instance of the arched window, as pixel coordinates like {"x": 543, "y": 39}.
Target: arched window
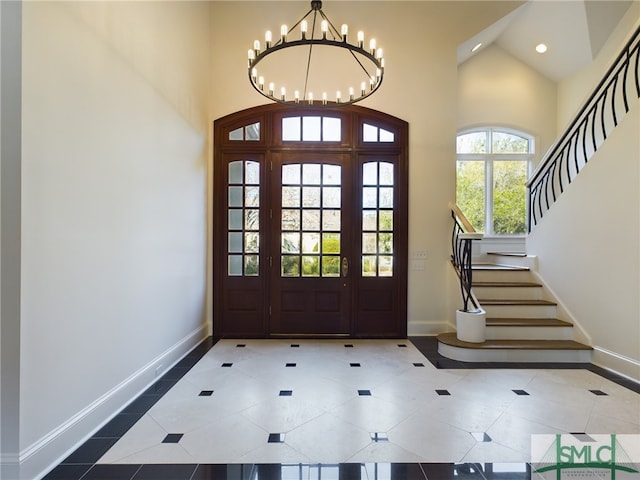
{"x": 493, "y": 165}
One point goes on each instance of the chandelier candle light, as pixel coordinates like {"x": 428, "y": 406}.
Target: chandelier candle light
{"x": 368, "y": 62}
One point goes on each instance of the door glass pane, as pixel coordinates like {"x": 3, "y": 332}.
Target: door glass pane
{"x": 235, "y": 196}
{"x": 331, "y": 220}
{"x": 386, "y": 173}
{"x": 331, "y": 243}
{"x": 310, "y": 242}
{"x": 311, "y": 129}
{"x": 310, "y": 225}
{"x": 291, "y": 174}
{"x": 377, "y": 219}
{"x": 243, "y": 218}
{"x": 331, "y": 175}
{"x": 251, "y": 196}
{"x": 235, "y": 219}
{"x": 290, "y": 219}
{"x": 252, "y": 174}
{"x": 369, "y": 133}
{"x": 386, "y": 136}
{"x": 291, "y": 129}
{"x": 290, "y": 196}
{"x": 235, "y": 265}
{"x": 235, "y": 242}
{"x": 330, "y": 266}
{"x": 311, "y": 174}
{"x": 370, "y": 173}
{"x": 311, "y": 197}
{"x": 235, "y": 172}
{"x": 331, "y": 129}
{"x": 331, "y": 197}
{"x": 370, "y": 220}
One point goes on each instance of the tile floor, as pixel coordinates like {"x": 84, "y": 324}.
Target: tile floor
{"x": 345, "y": 409}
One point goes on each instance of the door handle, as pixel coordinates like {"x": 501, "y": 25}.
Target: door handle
{"x": 345, "y": 266}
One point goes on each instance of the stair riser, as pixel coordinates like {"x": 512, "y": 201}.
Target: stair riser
{"x": 497, "y": 355}
{"x": 510, "y": 293}
{"x": 501, "y": 275}
{"x": 528, "y": 333}
{"x": 520, "y": 311}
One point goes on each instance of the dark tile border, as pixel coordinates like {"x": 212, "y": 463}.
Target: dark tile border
{"x": 428, "y": 346}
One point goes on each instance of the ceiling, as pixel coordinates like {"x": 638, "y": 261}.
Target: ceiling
{"x": 573, "y": 30}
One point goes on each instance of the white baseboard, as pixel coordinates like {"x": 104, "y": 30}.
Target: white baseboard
{"x": 424, "y": 328}
{"x": 616, "y": 363}
{"x": 42, "y": 456}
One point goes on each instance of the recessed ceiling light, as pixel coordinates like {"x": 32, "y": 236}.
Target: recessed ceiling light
{"x": 475, "y": 49}
{"x": 541, "y": 48}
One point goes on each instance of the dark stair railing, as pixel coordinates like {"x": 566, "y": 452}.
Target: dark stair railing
{"x": 462, "y": 239}
{"x": 600, "y": 114}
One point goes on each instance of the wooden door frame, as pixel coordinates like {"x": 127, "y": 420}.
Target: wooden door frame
{"x": 254, "y": 323}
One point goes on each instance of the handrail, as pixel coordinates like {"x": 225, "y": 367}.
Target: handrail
{"x": 599, "y": 115}
{"x": 462, "y": 239}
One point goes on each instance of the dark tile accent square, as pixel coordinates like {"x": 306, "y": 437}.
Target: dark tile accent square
{"x": 240, "y": 345}
{"x": 583, "y": 437}
{"x": 379, "y": 437}
{"x": 520, "y": 392}
{"x": 286, "y": 393}
{"x": 598, "y": 392}
{"x": 481, "y": 437}
{"x": 418, "y": 364}
{"x": 226, "y": 365}
{"x": 402, "y": 345}
{"x": 364, "y": 393}
{"x": 68, "y": 472}
{"x": 91, "y": 450}
{"x": 348, "y": 345}
{"x": 295, "y": 345}
{"x": 205, "y": 393}
{"x": 173, "y": 438}
{"x": 276, "y": 438}
{"x": 111, "y": 472}
{"x": 166, "y": 472}
{"x": 290, "y": 365}
{"x": 354, "y": 364}
{"x": 443, "y": 392}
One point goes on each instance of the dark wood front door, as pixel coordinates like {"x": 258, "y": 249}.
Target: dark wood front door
{"x": 310, "y": 244}
{"x": 310, "y": 230}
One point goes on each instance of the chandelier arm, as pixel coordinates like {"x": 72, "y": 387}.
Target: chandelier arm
{"x": 313, "y": 31}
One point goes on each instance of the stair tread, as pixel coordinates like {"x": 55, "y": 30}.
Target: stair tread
{"x": 527, "y": 322}
{"x": 498, "y": 267}
{"x": 507, "y": 301}
{"x": 451, "y": 339}
{"x": 506, "y": 284}
{"x": 508, "y": 254}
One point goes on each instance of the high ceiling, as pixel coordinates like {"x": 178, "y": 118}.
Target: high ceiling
{"x": 573, "y": 30}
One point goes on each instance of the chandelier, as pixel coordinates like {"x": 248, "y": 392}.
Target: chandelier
{"x": 325, "y": 57}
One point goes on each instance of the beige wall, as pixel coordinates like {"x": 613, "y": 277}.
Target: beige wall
{"x": 420, "y": 41}
{"x": 494, "y": 88}
{"x": 115, "y": 142}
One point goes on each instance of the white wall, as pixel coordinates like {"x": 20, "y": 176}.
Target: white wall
{"x": 588, "y": 244}
{"x": 420, "y": 41}
{"x": 494, "y": 88}
{"x": 113, "y": 209}
{"x": 10, "y": 75}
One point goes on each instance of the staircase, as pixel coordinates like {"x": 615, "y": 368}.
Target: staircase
{"x": 522, "y": 323}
